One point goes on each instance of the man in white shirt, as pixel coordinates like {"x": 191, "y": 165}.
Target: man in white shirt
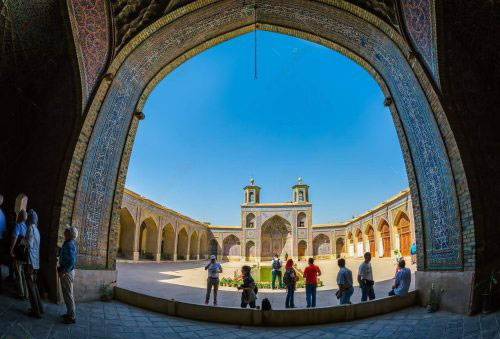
{"x": 365, "y": 278}
{"x": 213, "y": 268}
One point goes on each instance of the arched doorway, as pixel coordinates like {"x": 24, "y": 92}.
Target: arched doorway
{"x": 302, "y": 247}
{"x": 203, "y": 246}
{"x": 148, "y": 240}
{"x": 301, "y": 220}
{"x": 250, "y": 222}
{"x": 231, "y": 248}
{"x": 168, "y": 242}
{"x": 359, "y": 243}
{"x": 275, "y": 237}
{"x": 127, "y": 235}
{"x": 350, "y": 242}
{"x": 370, "y": 234}
{"x": 193, "y": 246}
{"x": 250, "y": 251}
{"x": 340, "y": 247}
{"x": 402, "y": 223}
{"x": 385, "y": 238}
{"x": 213, "y": 247}
{"x": 182, "y": 244}
{"x": 321, "y": 246}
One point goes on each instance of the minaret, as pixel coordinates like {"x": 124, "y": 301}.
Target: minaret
{"x": 252, "y": 193}
{"x": 300, "y": 193}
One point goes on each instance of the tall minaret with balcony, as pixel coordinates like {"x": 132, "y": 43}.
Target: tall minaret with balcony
{"x": 252, "y": 193}
{"x": 300, "y": 193}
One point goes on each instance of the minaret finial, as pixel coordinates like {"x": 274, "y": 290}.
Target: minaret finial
{"x": 300, "y": 180}
{"x": 252, "y": 181}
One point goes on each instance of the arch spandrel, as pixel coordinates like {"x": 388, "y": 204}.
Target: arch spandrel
{"x": 376, "y": 47}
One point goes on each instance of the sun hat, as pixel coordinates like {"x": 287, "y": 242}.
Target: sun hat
{"x": 212, "y": 257}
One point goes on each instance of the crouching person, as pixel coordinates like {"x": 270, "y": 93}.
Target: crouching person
{"x": 66, "y": 272}
{"x": 248, "y": 296}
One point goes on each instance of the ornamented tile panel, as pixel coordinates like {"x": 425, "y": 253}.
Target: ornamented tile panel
{"x": 91, "y": 32}
{"x": 419, "y": 17}
{"x": 435, "y": 181}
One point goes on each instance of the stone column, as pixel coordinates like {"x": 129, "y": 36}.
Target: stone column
{"x": 137, "y": 231}
{"x": 188, "y": 254}
{"x": 176, "y": 239}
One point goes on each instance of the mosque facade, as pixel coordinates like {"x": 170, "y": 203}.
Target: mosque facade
{"x": 149, "y": 231}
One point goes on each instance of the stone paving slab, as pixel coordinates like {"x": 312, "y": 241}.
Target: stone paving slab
{"x": 98, "y": 320}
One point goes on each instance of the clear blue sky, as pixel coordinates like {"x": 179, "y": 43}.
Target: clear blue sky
{"x": 311, "y": 112}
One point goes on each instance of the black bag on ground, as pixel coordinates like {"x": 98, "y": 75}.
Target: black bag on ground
{"x": 266, "y": 305}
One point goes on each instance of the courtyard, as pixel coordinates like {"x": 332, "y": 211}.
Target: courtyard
{"x": 186, "y": 281}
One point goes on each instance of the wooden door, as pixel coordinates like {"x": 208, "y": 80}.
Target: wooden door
{"x": 404, "y": 235}
{"x": 302, "y": 249}
{"x": 371, "y": 240}
{"x": 386, "y": 240}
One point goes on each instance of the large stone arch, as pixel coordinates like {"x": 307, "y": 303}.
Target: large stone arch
{"x": 214, "y": 248}
{"x": 428, "y": 144}
{"x": 250, "y": 251}
{"x": 168, "y": 242}
{"x": 321, "y": 246}
{"x": 231, "y": 248}
{"x": 276, "y": 238}
{"x": 127, "y": 234}
{"x": 340, "y": 247}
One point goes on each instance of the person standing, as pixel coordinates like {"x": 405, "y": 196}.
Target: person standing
{"x": 213, "y": 268}
{"x": 290, "y": 279}
{"x": 33, "y": 264}
{"x": 344, "y": 280}
{"x": 248, "y": 296}
{"x": 3, "y": 228}
{"x": 67, "y": 262}
{"x": 276, "y": 271}
{"x": 365, "y": 278}
{"x": 413, "y": 252}
{"x": 403, "y": 280}
{"x": 311, "y": 273}
{"x": 17, "y": 242}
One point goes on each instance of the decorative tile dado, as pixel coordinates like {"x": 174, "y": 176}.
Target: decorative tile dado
{"x": 419, "y": 17}
{"x": 302, "y": 233}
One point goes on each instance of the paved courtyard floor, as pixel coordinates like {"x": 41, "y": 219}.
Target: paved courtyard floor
{"x": 186, "y": 281}
{"x": 99, "y": 320}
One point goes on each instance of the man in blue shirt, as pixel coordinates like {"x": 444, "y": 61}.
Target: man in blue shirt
{"x": 403, "y": 280}
{"x": 344, "y": 280}
{"x": 3, "y": 226}
{"x": 213, "y": 268}
{"x": 66, "y": 272}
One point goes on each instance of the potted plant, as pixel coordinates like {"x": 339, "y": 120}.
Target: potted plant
{"x": 487, "y": 296}
{"x": 106, "y": 291}
{"x": 434, "y": 299}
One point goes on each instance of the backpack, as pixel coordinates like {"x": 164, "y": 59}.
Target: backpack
{"x": 266, "y": 305}
{"x": 287, "y": 278}
{"x": 276, "y": 264}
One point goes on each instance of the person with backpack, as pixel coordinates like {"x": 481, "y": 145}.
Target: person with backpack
{"x": 17, "y": 249}
{"x": 249, "y": 294}
{"x": 311, "y": 273}
{"x": 290, "y": 279}
{"x": 33, "y": 264}
{"x": 276, "y": 271}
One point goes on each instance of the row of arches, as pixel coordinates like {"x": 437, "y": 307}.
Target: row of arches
{"x": 250, "y": 220}
{"x": 361, "y": 241}
{"x": 148, "y": 243}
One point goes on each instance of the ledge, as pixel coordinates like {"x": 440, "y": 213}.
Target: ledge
{"x": 249, "y": 317}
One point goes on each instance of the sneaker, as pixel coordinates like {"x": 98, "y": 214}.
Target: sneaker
{"x": 69, "y": 321}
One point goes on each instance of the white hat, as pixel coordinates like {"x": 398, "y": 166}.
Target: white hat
{"x": 212, "y": 257}
{"x": 73, "y": 230}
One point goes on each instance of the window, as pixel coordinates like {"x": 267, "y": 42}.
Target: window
{"x": 301, "y": 224}
{"x": 252, "y": 197}
{"x": 301, "y": 196}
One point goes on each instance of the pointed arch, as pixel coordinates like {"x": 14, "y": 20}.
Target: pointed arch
{"x": 321, "y": 246}
{"x": 402, "y": 225}
{"x": 383, "y": 230}
{"x": 214, "y": 248}
{"x": 126, "y": 234}
{"x": 350, "y": 244}
{"x": 250, "y": 251}
{"x": 250, "y": 220}
{"x": 302, "y": 250}
{"x": 358, "y": 240}
{"x": 182, "y": 244}
{"x": 202, "y": 247}
{"x": 168, "y": 242}
{"x": 148, "y": 239}
{"x": 370, "y": 235}
{"x": 232, "y": 248}
{"x": 340, "y": 246}
{"x": 302, "y": 220}
{"x": 193, "y": 246}
{"x": 276, "y": 237}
